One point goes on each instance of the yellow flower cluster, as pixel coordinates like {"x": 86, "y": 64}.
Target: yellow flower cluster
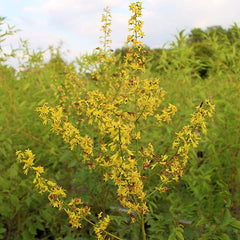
{"x": 166, "y": 114}
{"x": 77, "y": 214}
{"x": 116, "y": 156}
{"x": 61, "y": 126}
{"x": 101, "y": 227}
{"x": 135, "y": 57}
{"x": 106, "y": 29}
{"x": 188, "y": 137}
{"x": 117, "y": 119}
{"x": 43, "y": 185}
{"x": 56, "y": 194}
{"x": 170, "y": 168}
{"x": 190, "y": 134}
{"x": 105, "y": 60}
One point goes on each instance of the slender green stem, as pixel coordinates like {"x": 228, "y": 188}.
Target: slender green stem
{"x": 143, "y": 228}
{"x": 150, "y": 194}
{"x": 114, "y": 236}
{"x": 108, "y": 233}
{"x": 140, "y": 114}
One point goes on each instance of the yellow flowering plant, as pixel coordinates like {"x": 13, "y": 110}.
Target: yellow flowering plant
{"x": 118, "y": 106}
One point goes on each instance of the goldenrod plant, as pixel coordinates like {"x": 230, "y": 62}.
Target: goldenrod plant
{"x": 105, "y": 123}
{"x": 204, "y": 202}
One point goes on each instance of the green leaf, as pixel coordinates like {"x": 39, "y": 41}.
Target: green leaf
{"x": 3, "y": 152}
{"x": 226, "y": 217}
{"x": 5, "y": 210}
{"x": 2, "y": 230}
{"x": 14, "y": 200}
{"x": 13, "y": 170}
{"x": 66, "y": 156}
{"x": 172, "y": 236}
{"x": 179, "y": 236}
{"x": 27, "y": 235}
{"x": 40, "y": 226}
{"x": 224, "y": 236}
{"x": 45, "y": 214}
{"x": 32, "y": 229}
{"x": 4, "y": 183}
{"x": 202, "y": 221}
{"x": 2, "y": 137}
{"x": 235, "y": 223}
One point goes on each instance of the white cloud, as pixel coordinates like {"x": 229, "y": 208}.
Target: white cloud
{"x": 164, "y": 17}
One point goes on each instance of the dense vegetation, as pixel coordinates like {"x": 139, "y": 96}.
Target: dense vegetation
{"x": 197, "y": 66}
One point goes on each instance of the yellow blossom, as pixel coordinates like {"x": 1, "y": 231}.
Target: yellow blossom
{"x": 101, "y": 227}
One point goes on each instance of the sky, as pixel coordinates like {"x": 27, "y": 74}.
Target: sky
{"x": 76, "y": 23}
